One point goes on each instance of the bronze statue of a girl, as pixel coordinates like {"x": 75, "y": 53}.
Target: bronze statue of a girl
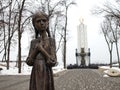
{"x": 42, "y": 54}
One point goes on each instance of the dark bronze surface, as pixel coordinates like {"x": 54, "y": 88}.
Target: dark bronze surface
{"x": 42, "y": 55}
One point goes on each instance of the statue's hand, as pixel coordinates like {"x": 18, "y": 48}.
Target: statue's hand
{"x": 51, "y": 62}
{"x": 39, "y": 46}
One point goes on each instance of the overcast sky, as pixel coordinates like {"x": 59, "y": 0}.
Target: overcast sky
{"x": 96, "y": 42}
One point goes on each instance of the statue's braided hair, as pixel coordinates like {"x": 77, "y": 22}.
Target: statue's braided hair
{"x": 34, "y": 17}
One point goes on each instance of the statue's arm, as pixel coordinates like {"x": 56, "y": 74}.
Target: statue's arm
{"x": 33, "y": 50}
{"x": 53, "y": 50}
{"x": 52, "y": 54}
{"x": 43, "y": 51}
{"x": 32, "y": 54}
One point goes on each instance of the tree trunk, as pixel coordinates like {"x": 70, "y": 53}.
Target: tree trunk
{"x": 117, "y": 54}
{"x": 5, "y": 45}
{"x": 64, "y": 55}
{"x": 9, "y": 40}
{"x": 19, "y": 51}
{"x": 109, "y": 48}
{"x": 19, "y": 37}
{"x": 111, "y": 54}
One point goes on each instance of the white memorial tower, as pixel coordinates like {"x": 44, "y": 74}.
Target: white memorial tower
{"x": 82, "y": 51}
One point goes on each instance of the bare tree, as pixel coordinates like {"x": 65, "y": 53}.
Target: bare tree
{"x": 13, "y": 19}
{"x": 115, "y": 30}
{"x": 9, "y": 31}
{"x": 9, "y": 20}
{"x": 6, "y": 22}
{"x": 67, "y": 4}
{"x": 57, "y": 28}
{"x": 2, "y": 25}
{"x": 2, "y": 31}
{"x": 107, "y": 34}
{"x": 112, "y": 14}
{"x": 19, "y": 33}
{"x": 12, "y": 27}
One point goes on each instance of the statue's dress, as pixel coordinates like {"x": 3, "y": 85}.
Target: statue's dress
{"x": 41, "y": 75}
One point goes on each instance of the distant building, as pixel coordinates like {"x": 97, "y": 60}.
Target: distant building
{"x": 82, "y": 51}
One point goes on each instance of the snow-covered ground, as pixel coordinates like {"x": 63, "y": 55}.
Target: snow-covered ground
{"x": 107, "y": 71}
{"x": 25, "y": 70}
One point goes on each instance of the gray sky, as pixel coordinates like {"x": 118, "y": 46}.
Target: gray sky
{"x": 96, "y": 42}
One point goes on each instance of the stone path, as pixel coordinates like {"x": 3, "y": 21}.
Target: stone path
{"x": 75, "y": 79}
{"x": 86, "y": 79}
{"x": 13, "y": 82}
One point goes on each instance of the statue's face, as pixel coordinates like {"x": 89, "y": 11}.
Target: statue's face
{"x": 41, "y": 23}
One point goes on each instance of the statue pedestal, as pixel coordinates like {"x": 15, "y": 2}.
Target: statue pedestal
{"x": 83, "y": 57}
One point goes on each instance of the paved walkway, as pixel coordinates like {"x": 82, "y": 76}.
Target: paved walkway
{"x": 75, "y": 79}
{"x": 86, "y": 79}
{"x": 17, "y": 82}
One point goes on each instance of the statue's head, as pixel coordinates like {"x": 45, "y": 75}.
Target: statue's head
{"x": 40, "y": 22}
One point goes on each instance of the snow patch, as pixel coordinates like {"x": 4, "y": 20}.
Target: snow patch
{"x": 25, "y": 69}
{"x": 113, "y": 72}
